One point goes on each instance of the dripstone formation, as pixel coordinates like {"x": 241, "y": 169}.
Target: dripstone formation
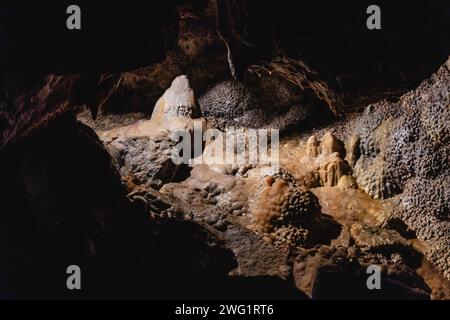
{"x": 90, "y": 155}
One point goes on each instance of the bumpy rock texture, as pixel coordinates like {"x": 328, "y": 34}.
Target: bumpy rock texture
{"x": 405, "y": 148}
{"x": 285, "y": 212}
{"x": 424, "y": 207}
{"x": 268, "y": 100}
{"x": 406, "y": 139}
{"x": 351, "y": 190}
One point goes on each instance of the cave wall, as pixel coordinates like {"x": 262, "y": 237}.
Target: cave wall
{"x": 122, "y": 61}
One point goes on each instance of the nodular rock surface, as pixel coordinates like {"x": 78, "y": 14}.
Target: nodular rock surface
{"x": 363, "y": 178}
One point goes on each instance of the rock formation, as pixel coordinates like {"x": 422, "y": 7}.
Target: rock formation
{"x": 404, "y": 150}
{"x": 362, "y": 179}
{"x": 405, "y": 140}
{"x": 144, "y": 150}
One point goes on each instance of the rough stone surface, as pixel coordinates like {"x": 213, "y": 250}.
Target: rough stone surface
{"x": 282, "y": 206}
{"x": 404, "y": 148}
{"x": 144, "y": 151}
{"x": 424, "y": 207}
{"x": 145, "y": 160}
{"x": 66, "y": 204}
{"x": 254, "y": 104}
{"x": 323, "y": 273}
{"x": 405, "y": 140}
{"x": 229, "y": 231}
{"x": 232, "y": 101}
